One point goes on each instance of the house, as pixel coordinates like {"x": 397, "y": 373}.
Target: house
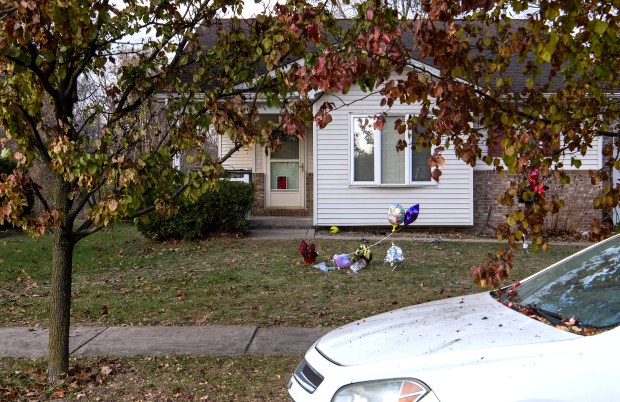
{"x": 338, "y": 176}
{"x": 348, "y": 174}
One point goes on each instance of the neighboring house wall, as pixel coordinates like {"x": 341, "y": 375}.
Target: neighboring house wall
{"x": 340, "y": 202}
{"x": 578, "y": 195}
{"x": 465, "y": 197}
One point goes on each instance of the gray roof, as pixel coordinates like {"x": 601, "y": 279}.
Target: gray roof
{"x": 208, "y": 37}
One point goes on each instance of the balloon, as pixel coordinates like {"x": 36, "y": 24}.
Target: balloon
{"x": 396, "y": 215}
{"x": 394, "y": 255}
{"x": 342, "y": 260}
{"x": 334, "y": 230}
{"x": 412, "y": 214}
{"x": 323, "y": 267}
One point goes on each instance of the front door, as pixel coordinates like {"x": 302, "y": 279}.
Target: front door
{"x": 285, "y": 176}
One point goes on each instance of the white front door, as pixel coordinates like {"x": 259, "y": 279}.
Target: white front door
{"x": 285, "y": 179}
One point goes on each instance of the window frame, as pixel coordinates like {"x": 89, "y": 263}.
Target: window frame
{"x": 376, "y": 182}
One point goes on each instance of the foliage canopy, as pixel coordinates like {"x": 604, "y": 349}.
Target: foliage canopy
{"x": 180, "y": 70}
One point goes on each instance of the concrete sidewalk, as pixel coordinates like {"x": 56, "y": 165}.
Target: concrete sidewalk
{"x": 164, "y": 340}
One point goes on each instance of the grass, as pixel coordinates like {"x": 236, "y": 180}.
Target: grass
{"x": 121, "y": 278}
{"x": 162, "y": 378}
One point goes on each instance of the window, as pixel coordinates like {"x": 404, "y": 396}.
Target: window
{"x": 284, "y": 165}
{"x": 377, "y": 161}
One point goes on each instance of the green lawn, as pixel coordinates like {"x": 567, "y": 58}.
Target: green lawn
{"x": 122, "y": 278}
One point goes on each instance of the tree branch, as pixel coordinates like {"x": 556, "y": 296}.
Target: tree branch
{"x": 151, "y": 208}
{"x": 37, "y": 193}
{"x": 7, "y": 11}
{"x": 38, "y": 141}
{"x": 230, "y": 152}
{"x": 500, "y": 105}
{"x": 82, "y": 199}
{"x": 86, "y": 230}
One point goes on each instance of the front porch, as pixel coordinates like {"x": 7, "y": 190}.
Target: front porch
{"x": 260, "y": 222}
{"x": 262, "y": 209}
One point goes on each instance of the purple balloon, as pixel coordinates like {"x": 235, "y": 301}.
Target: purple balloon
{"x": 412, "y": 214}
{"x": 342, "y": 260}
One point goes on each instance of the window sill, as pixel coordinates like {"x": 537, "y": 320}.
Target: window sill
{"x": 410, "y": 185}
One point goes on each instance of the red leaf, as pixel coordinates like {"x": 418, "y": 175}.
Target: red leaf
{"x": 379, "y": 122}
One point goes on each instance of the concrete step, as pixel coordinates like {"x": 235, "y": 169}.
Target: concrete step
{"x": 280, "y": 222}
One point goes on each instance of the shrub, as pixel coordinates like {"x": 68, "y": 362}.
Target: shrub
{"x": 7, "y": 166}
{"x": 220, "y": 210}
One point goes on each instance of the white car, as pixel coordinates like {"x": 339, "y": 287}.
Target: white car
{"x": 551, "y": 337}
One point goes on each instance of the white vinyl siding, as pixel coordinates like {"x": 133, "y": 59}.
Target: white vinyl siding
{"x": 309, "y": 160}
{"x": 339, "y": 202}
{"x": 242, "y": 159}
{"x": 254, "y": 157}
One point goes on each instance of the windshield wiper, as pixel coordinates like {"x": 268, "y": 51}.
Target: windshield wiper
{"x": 554, "y": 318}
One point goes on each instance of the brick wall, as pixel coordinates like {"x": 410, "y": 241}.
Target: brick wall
{"x": 577, "y": 195}
{"x": 575, "y": 216}
{"x": 258, "y": 179}
{"x": 259, "y": 199}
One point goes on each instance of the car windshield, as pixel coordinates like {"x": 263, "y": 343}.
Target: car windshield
{"x": 583, "y": 290}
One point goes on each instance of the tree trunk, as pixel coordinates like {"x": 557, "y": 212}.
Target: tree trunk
{"x": 60, "y": 313}
{"x": 62, "y": 267}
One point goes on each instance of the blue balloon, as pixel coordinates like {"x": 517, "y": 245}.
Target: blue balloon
{"x": 412, "y": 214}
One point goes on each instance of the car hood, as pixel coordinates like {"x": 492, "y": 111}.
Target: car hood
{"x": 450, "y": 325}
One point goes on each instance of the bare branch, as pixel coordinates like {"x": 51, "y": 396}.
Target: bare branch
{"x": 230, "y": 152}
{"x": 7, "y": 11}
{"x": 82, "y": 200}
{"x": 151, "y": 208}
{"x": 35, "y": 188}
